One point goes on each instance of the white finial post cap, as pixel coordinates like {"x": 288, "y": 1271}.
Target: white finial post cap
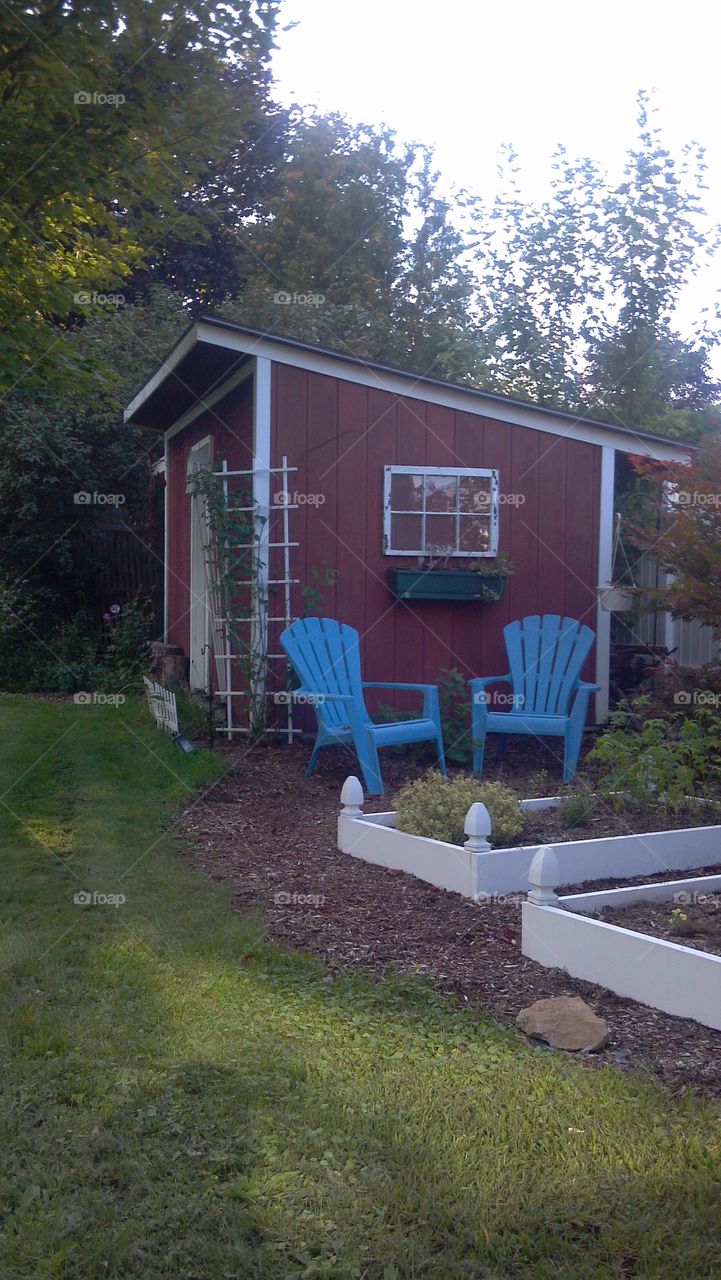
{"x": 543, "y": 875}
{"x": 351, "y": 797}
{"x": 477, "y": 827}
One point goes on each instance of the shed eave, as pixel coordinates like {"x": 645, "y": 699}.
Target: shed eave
{"x": 211, "y": 333}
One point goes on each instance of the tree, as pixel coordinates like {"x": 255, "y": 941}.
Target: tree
{"x": 112, "y": 111}
{"x": 539, "y": 271}
{"x": 577, "y": 295}
{"x": 355, "y": 249}
{"x": 686, "y": 533}
{"x": 53, "y": 447}
{"x": 640, "y": 371}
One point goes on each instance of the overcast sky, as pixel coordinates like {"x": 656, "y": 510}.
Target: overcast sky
{"x": 466, "y": 76}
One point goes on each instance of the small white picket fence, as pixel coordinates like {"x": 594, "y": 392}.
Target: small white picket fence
{"x": 162, "y": 705}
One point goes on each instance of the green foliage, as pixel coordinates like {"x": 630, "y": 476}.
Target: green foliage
{"x": 436, "y": 807}
{"x": 653, "y": 758}
{"x": 79, "y": 655}
{"x": 455, "y": 715}
{"x": 322, "y": 578}
{"x": 235, "y": 564}
{"x": 54, "y": 445}
{"x": 578, "y": 294}
{"x": 111, "y": 113}
{"x": 577, "y": 807}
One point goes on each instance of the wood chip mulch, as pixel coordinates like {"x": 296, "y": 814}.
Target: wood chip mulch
{"x": 271, "y": 833}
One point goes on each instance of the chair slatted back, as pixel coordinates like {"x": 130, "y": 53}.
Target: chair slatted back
{"x": 326, "y": 657}
{"x": 545, "y": 658}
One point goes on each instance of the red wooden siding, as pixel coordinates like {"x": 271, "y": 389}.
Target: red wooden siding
{"x": 341, "y": 435}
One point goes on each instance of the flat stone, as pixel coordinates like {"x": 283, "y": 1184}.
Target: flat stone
{"x": 566, "y": 1022}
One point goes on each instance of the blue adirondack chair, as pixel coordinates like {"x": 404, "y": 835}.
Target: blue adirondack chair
{"x": 545, "y": 657}
{"x": 326, "y": 658}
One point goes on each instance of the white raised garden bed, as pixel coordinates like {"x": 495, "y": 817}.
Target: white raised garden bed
{"x": 478, "y": 871}
{"x": 664, "y": 975}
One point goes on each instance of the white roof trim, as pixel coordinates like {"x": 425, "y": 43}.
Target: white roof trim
{"x": 411, "y": 387}
{"x": 176, "y": 355}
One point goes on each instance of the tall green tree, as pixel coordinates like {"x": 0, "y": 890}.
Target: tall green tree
{"x": 111, "y": 111}
{"x": 539, "y": 279}
{"x": 578, "y": 294}
{"x": 640, "y": 370}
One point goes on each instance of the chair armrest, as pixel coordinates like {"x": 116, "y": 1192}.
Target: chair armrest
{"x": 391, "y": 684}
{"x": 429, "y": 691}
{"x": 585, "y": 687}
{"x": 480, "y": 682}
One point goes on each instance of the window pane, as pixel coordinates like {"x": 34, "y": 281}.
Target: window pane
{"x": 441, "y": 493}
{"x": 475, "y": 534}
{"x": 406, "y": 492}
{"x": 406, "y": 533}
{"x": 476, "y": 494}
{"x": 440, "y": 535}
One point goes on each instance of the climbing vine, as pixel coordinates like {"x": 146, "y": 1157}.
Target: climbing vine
{"x": 236, "y": 583}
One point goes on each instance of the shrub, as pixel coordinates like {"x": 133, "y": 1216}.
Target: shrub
{"x": 455, "y": 715}
{"x": 658, "y": 758}
{"x": 435, "y": 807}
{"x": 577, "y": 808}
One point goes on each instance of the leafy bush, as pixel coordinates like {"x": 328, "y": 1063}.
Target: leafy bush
{"x": 435, "y": 807}
{"x": 658, "y": 758}
{"x": 577, "y": 808}
{"x": 78, "y": 655}
{"x": 454, "y": 700}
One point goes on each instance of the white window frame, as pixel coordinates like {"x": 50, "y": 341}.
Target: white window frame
{"x": 483, "y": 473}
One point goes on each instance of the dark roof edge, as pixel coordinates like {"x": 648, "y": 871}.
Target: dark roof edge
{"x": 419, "y": 379}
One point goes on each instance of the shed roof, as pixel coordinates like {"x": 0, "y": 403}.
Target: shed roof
{"x": 213, "y": 350}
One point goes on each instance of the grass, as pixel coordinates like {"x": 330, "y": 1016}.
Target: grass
{"x": 181, "y": 1099}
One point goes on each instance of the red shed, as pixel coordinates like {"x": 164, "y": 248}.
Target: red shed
{"x": 355, "y": 471}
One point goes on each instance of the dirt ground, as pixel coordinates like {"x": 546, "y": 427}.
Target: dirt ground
{"x": 696, "y": 924}
{"x": 271, "y": 833}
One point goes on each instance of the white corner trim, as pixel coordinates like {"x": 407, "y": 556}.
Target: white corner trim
{"x": 166, "y": 546}
{"x": 261, "y": 496}
{"x": 605, "y": 569}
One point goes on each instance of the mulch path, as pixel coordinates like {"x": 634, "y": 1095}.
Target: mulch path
{"x": 271, "y": 833}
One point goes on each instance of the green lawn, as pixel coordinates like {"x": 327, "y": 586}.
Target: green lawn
{"x": 180, "y": 1099}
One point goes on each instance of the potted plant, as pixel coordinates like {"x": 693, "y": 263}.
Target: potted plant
{"x": 435, "y": 579}
{"x": 618, "y": 596}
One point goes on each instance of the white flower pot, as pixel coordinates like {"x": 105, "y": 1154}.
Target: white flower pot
{"x": 616, "y": 599}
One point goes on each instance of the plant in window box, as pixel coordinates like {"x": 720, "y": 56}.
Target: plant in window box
{"x": 484, "y": 580}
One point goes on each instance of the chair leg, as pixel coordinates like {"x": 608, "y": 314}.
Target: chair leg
{"x": 574, "y": 737}
{"x": 501, "y": 745}
{"x": 441, "y": 755}
{"x": 367, "y": 753}
{"x": 478, "y": 749}
{"x": 313, "y": 758}
{"x": 478, "y": 735}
